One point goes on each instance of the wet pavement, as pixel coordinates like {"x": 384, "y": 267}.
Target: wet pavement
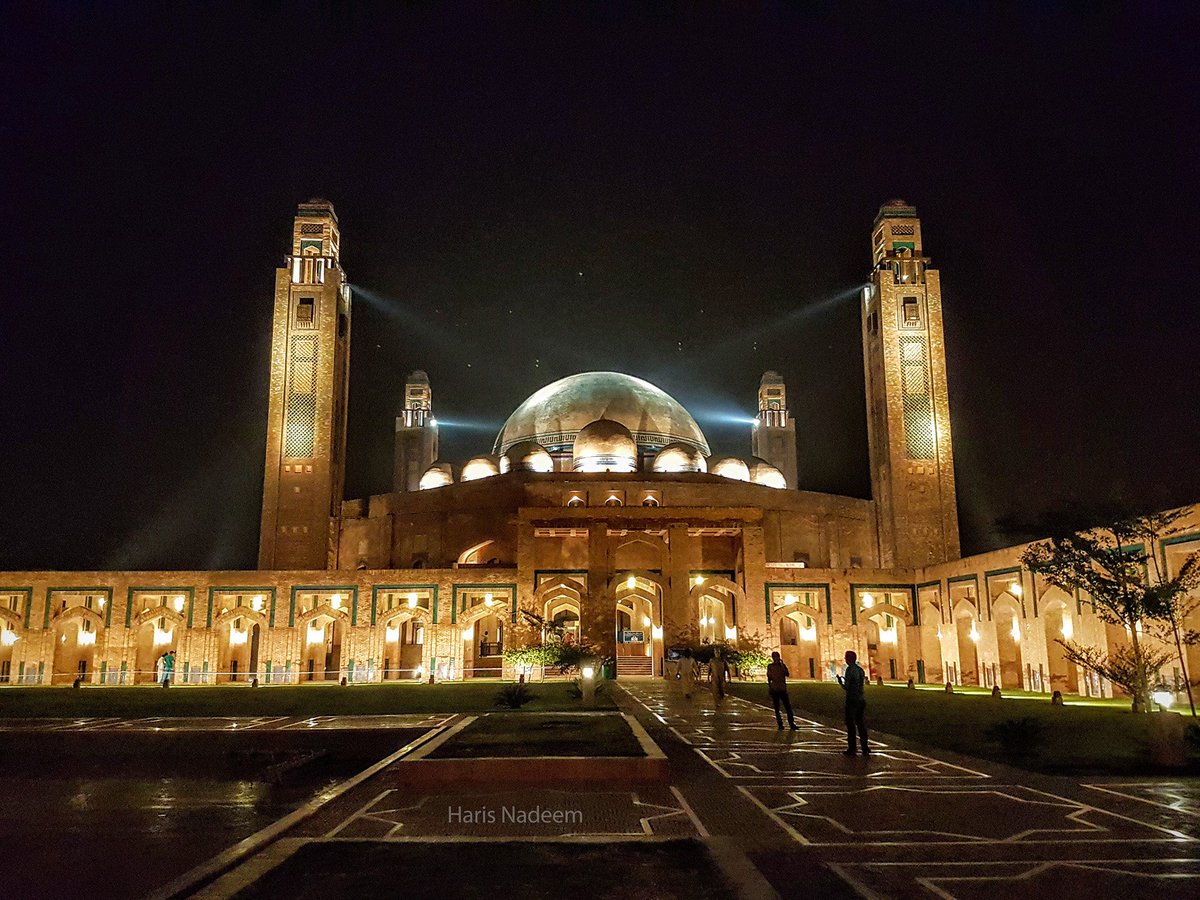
{"x": 227, "y": 723}
{"x": 805, "y": 819}
{"x": 909, "y": 822}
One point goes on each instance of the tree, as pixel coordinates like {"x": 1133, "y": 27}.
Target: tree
{"x": 1174, "y": 598}
{"x": 1109, "y": 565}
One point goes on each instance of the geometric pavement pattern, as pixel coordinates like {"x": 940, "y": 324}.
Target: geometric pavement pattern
{"x": 903, "y": 823}
{"x": 227, "y": 723}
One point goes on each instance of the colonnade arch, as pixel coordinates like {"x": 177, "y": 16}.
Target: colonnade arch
{"x": 324, "y": 633}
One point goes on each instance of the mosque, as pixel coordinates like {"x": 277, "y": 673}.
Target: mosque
{"x": 598, "y": 509}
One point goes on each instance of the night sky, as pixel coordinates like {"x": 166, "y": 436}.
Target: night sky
{"x": 527, "y": 192}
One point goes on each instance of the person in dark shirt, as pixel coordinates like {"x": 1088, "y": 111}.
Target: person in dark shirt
{"x": 777, "y": 674}
{"x": 854, "y": 683}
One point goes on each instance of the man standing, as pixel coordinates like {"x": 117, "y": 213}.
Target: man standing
{"x": 854, "y": 683}
{"x": 777, "y": 674}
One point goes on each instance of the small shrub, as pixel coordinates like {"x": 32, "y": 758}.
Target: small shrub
{"x": 513, "y": 696}
{"x": 575, "y": 688}
{"x": 1018, "y": 738}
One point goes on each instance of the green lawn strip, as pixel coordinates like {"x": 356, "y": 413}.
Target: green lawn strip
{"x": 1075, "y": 738}
{"x": 526, "y": 734}
{"x": 289, "y": 700}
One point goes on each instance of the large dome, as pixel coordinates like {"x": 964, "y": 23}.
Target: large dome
{"x": 554, "y": 415}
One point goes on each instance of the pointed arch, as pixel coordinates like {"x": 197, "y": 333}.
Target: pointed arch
{"x": 240, "y": 612}
{"x": 157, "y": 612}
{"x": 322, "y": 609}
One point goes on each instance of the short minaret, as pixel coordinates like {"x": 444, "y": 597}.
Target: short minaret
{"x": 416, "y": 433}
{"x": 304, "y": 477}
{"x": 908, "y": 410}
{"x": 774, "y": 437}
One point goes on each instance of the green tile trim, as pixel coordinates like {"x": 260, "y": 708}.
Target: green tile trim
{"x": 963, "y": 579}
{"x": 326, "y": 588}
{"x": 268, "y": 679}
{"x": 106, "y": 591}
{"x": 808, "y": 586}
{"x": 397, "y": 588}
{"x": 104, "y": 672}
{"x": 941, "y": 599}
{"x": 154, "y": 589}
{"x": 28, "y": 592}
{"x": 494, "y": 587}
{"x": 1186, "y": 538}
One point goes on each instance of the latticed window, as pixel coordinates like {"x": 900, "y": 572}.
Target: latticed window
{"x": 312, "y": 228}
{"x": 918, "y": 404}
{"x": 301, "y": 420}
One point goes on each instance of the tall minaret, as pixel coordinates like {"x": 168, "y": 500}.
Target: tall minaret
{"x": 306, "y": 421}
{"x": 416, "y": 434}
{"x": 774, "y": 437}
{"x": 908, "y": 411}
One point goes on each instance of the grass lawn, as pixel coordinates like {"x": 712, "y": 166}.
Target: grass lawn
{"x": 1084, "y": 737}
{"x": 525, "y": 734}
{"x": 280, "y": 700}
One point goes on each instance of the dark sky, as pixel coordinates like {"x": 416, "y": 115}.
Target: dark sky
{"x": 685, "y": 196}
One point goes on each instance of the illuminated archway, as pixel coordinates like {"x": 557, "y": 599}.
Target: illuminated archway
{"x": 157, "y": 631}
{"x": 76, "y": 631}
{"x": 239, "y": 641}
{"x": 1006, "y": 616}
{"x": 1058, "y": 620}
{"x": 323, "y": 631}
{"x": 402, "y": 631}
{"x": 966, "y": 628}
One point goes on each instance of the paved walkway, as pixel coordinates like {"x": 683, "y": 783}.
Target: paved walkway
{"x": 227, "y": 723}
{"x": 812, "y": 822}
{"x": 904, "y": 823}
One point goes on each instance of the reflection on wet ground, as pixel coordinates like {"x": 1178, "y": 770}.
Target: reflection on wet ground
{"x": 119, "y": 822}
{"x": 122, "y": 836}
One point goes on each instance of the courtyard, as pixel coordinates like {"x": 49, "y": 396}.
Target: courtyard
{"x": 237, "y": 793}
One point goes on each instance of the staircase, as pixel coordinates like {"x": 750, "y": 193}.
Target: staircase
{"x": 633, "y": 666}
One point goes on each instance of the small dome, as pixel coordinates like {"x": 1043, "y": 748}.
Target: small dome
{"x": 604, "y": 446}
{"x": 480, "y": 467}
{"x": 526, "y": 456}
{"x": 762, "y": 472}
{"x": 730, "y": 467}
{"x": 436, "y": 476}
{"x": 679, "y": 457}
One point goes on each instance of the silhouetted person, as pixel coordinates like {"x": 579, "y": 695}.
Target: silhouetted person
{"x": 777, "y": 675}
{"x": 854, "y": 683}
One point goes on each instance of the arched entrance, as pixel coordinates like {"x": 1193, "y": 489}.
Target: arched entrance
{"x": 403, "y": 645}
{"x": 966, "y": 627}
{"x": 1059, "y": 623}
{"x": 886, "y": 620}
{"x": 1006, "y": 615}
{"x": 75, "y": 634}
{"x": 10, "y": 625}
{"x": 324, "y": 631}
{"x": 638, "y": 598}
{"x": 797, "y": 617}
{"x": 931, "y": 644}
{"x": 485, "y": 623}
{"x": 239, "y": 637}
{"x": 157, "y": 631}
